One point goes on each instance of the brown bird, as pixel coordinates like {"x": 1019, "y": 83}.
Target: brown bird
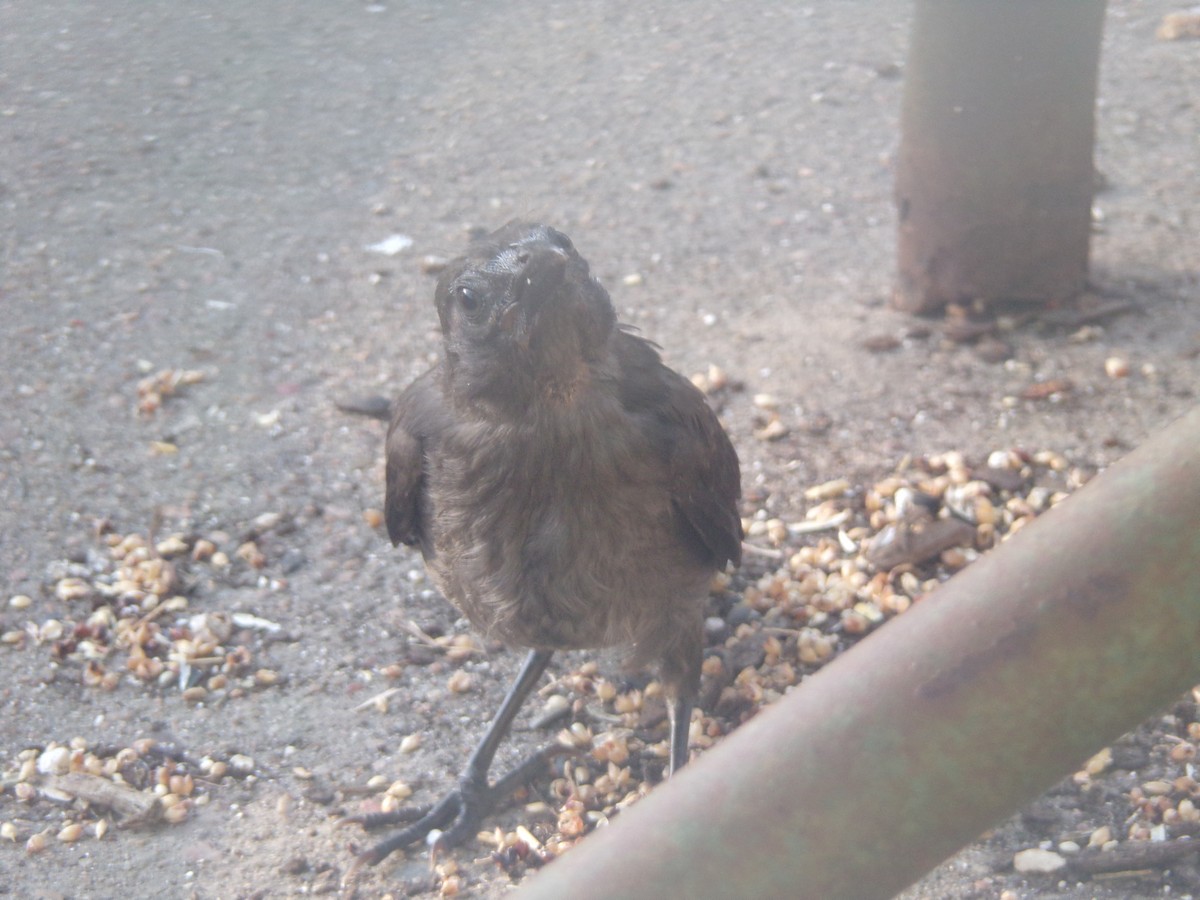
{"x": 566, "y": 489}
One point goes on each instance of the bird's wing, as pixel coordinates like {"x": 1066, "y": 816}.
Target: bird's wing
{"x": 705, "y": 480}
{"x": 703, "y": 471}
{"x": 419, "y": 416}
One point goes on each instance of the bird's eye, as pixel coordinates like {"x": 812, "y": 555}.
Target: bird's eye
{"x": 468, "y": 300}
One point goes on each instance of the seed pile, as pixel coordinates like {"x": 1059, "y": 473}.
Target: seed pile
{"x": 121, "y": 618}
{"x": 72, "y": 791}
{"x": 154, "y": 390}
{"x": 124, "y": 616}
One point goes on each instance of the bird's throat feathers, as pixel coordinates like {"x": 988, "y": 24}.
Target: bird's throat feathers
{"x": 524, "y": 391}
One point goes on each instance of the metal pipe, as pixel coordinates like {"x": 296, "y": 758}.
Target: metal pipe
{"x": 939, "y": 725}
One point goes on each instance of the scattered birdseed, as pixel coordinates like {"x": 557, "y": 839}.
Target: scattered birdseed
{"x": 124, "y": 617}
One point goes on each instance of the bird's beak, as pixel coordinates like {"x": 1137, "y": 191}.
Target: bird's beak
{"x": 511, "y": 323}
{"x": 539, "y": 280}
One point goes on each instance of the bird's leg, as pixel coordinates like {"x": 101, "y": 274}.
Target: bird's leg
{"x": 680, "y": 673}
{"x": 459, "y": 812}
{"x": 679, "y": 717}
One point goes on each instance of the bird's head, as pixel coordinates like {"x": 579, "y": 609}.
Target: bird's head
{"x": 522, "y": 318}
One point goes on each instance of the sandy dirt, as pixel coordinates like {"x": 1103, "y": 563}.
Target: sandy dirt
{"x": 194, "y": 187}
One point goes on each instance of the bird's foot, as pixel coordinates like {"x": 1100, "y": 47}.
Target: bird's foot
{"x": 451, "y": 821}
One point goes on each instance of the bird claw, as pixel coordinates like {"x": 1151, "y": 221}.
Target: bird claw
{"x": 424, "y": 823}
{"x": 453, "y": 820}
{"x": 376, "y": 820}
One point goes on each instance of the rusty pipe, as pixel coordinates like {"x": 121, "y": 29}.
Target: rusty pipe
{"x": 944, "y": 722}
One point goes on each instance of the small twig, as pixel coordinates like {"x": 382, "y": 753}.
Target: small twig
{"x": 206, "y": 661}
{"x": 151, "y": 616}
{"x": 562, "y": 681}
{"x": 156, "y": 518}
{"x": 251, "y": 621}
{"x": 135, "y": 806}
{"x": 812, "y": 527}
{"x": 421, "y": 635}
{"x": 443, "y": 644}
{"x": 600, "y": 716}
{"x": 1073, "y": 318}
{"x": 1133, "y": 856}
{"x": 377, "y": 700}
{"x": 762, "y": 551}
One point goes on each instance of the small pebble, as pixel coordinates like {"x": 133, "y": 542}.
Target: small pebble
{"x": 1036, "y": 860}
{"x": 241, "y": 764}
{"x": 1116, "y": 367}
{"x": 54, "y": 760}
{"x": 296, "y": 865}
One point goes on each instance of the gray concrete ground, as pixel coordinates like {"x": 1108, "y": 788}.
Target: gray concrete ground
{"x": 195, "y": 186}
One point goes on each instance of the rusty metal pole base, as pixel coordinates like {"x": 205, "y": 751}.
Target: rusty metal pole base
{"x": 994, "y": 174}
{"x": 942, "y": 723}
